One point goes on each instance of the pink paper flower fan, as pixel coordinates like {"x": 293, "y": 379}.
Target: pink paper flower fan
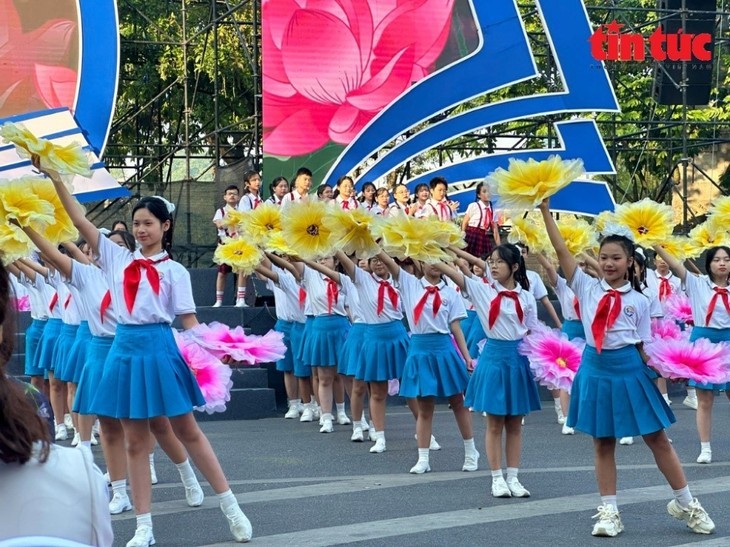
{"x": 554, "y": 359}
{"x": 213, "y": 377}
{"x": 701, "y": 360}
{"x": 662, "y": 329}
{"x": 393, "y": 387}
{"x": 22, "y": 303}
{"x": 223, "y": 341}
{"x": 677, "y": 307}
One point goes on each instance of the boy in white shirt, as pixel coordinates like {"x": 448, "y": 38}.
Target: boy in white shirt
{"x": 230, "y": 197}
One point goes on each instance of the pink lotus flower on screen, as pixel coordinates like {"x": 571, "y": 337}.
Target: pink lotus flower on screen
{"x": 331, "y": 65}
{"x": 701, "y": 360}
{"x": 554, "y": 359}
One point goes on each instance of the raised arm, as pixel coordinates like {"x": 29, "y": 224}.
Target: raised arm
{"x": 470, "y": 258}
{"x": 30, "y": 273}
{"x": 566, "y": 260}
{"x": 348, "y": 265}
{"x": 296, "y": 270}
{"x": 86, "y": 228}
{"x": 550, "y": 270}
{"x": 453, "y": 274}
{"x": 34, "y": 267}
{"x": 675, "y": 265}
{"x": 60, "y": 261}
{"x": 692, "y": 267}
{"x": 391, "y": 264}
{"x": 76, "y": 253}
{"x": 324, "y": 270}
{"x": 13, "y": 269}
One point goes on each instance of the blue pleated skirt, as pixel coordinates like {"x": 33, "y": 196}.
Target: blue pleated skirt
{"x": 502, "y": 383}
{"x": 352, "y": 349}
{"x": 324, "y": 339}
{"x": 475, "y": 335}
{"x": 145, "y": 376}
{"x": 301, "y": 357}
{"x": 384, "y": 352}
{"x": 613, "y": 396}
{"x": 433, "y": 368}
{"x": 48, "y": 343}
{"x": 714, "y": 336}
{"x": 62, "y": 351}
{"x": 91, "y": 373}
{"x": 77, "y": 355}
{"x": 574, "y": 329}
{"x": 467, "y": 323}
{"x": 287, "y": 363}
{"x": 33, "y": 336}
{"x": 296, "y": 338}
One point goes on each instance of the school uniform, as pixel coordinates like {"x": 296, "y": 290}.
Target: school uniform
{"x": 663, "y": 286}
{"x": 249, "y": 202}
{"x": 396, "y": 209}
{"x": 502, "y": 383}
{"x": 289, "y": 314}
{"x": 433, "y": 367}
{"x": 76, "y": 359}
{"x": 438, "y": 209}
{"x": 711, "y": 313}
{"x": 479, "y": 235}
{"x": 379, "y": 211}
{"x": 71, "y": 317}
{"x": 47, "y": 344}
{"x": 293, "y": 197}
{"x": 471, "y": 314}
{"x": 570, "y": 309}
{"x": 352, "y": 348}
{"x": 476, "y": 331}
{"x": 613, "y": 394}
{"x": 326, "y": 332}
{"x": 348, "y": 204}
{"x": 223, "y": 233}
{"x": 273, "y": 200}
{"x": 368, "y": 206}
{"x": 144, "y": 374}
{"x": 39, "y": 316}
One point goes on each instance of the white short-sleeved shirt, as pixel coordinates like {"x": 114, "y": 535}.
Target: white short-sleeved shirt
{"x": 63, "y": 302}
{"x": 74, "y": 309}
{"x": 39, "y": 295}
{"x": 93, "y": 288}
{"x": 438, "y": 209}
{"x": 368, "y": 287}
{"x": 413, "y": 289}
{"x": 274, "y": 200}
{"x": 481, "y": 215}
{"x": 566, "y": 298}
{"x": 633, "y": 324}
{"x": 220, "y": 215}
{"x": 653, "y": 281}
{"x": 420, "y": 210}
{"x": 368, "y": 206}
{"x": 507, "y": 326}
{"x": 700, "y": 291}
{"x": 395, "y": 209}
{"x": 249, "y": 202}
{"x": 655, "y": 306}
{"x": 378, "y": 211}
{"x": 537, "y": 287}
{"x": 286, "y": 296}
{"x": 176, "y": 293}
{"x": 352, "y": 299}
{"x": 291, "y": 197}
{"x": 352, "y": 203}
{"x": 316, "y": 287}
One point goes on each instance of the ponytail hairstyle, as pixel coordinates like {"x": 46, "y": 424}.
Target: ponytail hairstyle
{"x": 511, "y": 255}
{"x": 127, "y": 238}
{"x": 275, "y": 183}
{"x": 20, "y": 425}
{"x": 640, "y": 261}
{"x": 630, "y": 249}
{"x": 710, "y": 256}
{"x": 365, "y": 186}
{"x": 160, "y": 211}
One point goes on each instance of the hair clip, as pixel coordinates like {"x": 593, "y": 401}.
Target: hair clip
{"x": 170, "y": 206}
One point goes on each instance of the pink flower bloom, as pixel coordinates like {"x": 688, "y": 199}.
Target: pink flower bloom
{"x": 22, "y": 303}
{"x": 701, "y": 360}
{"x": 56, "y": 85}
{"x": 331, "y": 65}
{"x": 666, "y": 329}
{"x": 223, "y": 341}
{"x": 393, "y": 387}
{"x": 554, "y": 359}
{"x": 677, "y": 307}
{"x": 213, "y": 377}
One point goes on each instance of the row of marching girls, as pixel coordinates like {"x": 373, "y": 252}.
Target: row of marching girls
{"x": 144, "y": 376}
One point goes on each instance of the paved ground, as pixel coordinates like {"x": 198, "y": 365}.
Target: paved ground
{"x": 303, "y": 488}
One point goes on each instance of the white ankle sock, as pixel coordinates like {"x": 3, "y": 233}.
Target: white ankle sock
{"x": 241, "y": 293}
{"x": 691, "y": 392}
{"x": 381, "y": 435}
{"x": 87, "y": 444}
{"x": 340, "y": 408}
{"x": 512, "y": 472}
{"x": 556, "y": 402}
{"x": 705, "y": 447}
{"x": 497, "y": 474}
{"x": 227, "y": 499}
{"x": 423, "y": 454}
{"x": 152, "y": 458}
{"x": 119, "y": 486}
{"x": 683, "y": 496}
{"x": 666, "y": 396}
{"x": 145, "y": 519}
{"x": 219, "y": 296}
{"x": 187, "y": 474}
{"x": 469, "y": 445}
{"x": 294, "y": 402}
{"x": 610, "y": 500}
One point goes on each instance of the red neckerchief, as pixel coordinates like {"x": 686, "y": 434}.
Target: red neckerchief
{"x": 302, "y": 297}
{"x": 720, "y": 292}
{"x": 386, "y": 287}
{"x": 333, "y": 294}
{"x": 665, "y": 288}
{"x": 608, "y": 310}
{"x": 67, "y": 301}
{"x": 105, "y": 303}
{"x": 496, "y": 305}
{"x": 576, "y": 307}
{"x": 429, "y": 290}
{"x": 53, "y": 302}
{"x": 133, "y": 275}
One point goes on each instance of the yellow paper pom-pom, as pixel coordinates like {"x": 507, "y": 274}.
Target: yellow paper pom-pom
{"x": 526, "y": 183}
{"x": 708, "y": 234}
{"x": 650, "y": 222}
{"x": 232, "y": 220}
{"x": 528, "y": 232}
{"x": 578, "y": 234}
{"x": 19, "y": 203}
{"x": 447, "y": 233}
{"x": 680, "y": 247}
{"x": 259, "y": 224}
{"x": 62, "y": 229}
{"x": 720, "y": 210}
{"x": 14, "y": 244}
{"x": 602, "y": 220}
{"x": 351, "y": 231}
{"x": 405, "y": 237}
{"x": 304, "y": 229}
{"x": 276, "y": 243}
{"x": 25, "y": 142}
{"x": 240, "y": 255}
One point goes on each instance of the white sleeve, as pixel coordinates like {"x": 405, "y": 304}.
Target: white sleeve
{"x": 458, "y": 310}
{"x": 531, "y": 320}
{"x": 218, "y": 215}
{"x": 244, "y": 204}
{"x": 693, "y": 283}
{"x": 111, "y": 255}
{"x": 182, "y": 292}
{"x": 643, "y": 325}
{"x": 539, "y": 291}
{"x": 79, "y": 274}
{"x": 579, "y": 283}
{"x": 472, "y": 210}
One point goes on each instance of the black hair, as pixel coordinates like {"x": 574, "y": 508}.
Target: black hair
{"x": 128, "y": 238}
{"x": 120, "y": 222}
{"x": 380, "y": 191}
{"x": 640, "y": 260}
{"x": 302, "y": 171}
{"x": 247, "y": 176}
{"x": 435, "y": 181}
{"x": 230, "y": 187}
{"x": 711, "y": 255}
{"x": 159, "y": 210}
{"x": 521, "y": 246}
{"x": 511, "y": 255}
{"x": 420, "y": 187}
{"x": 478, "y": 190}
{"x": 320, "y": 189}
{"x": 630, "y": 249}
{"x": 275, "y": 183}
{"x": 365, "y": 186}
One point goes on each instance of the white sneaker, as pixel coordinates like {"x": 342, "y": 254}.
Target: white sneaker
{"x": 690, "y": 401}
{"x": 626, "y": 441}
{"x": 67, "y": 421}
{"x": 433, "y": 445}
{"x": 327, "y": 426}
{"x": 500, "y": 488}
{"x": 364, "y": 424}
{"x": 316, "y": 412}
{"x": 694, "y": 515}
{"x": 239, "y": 524}
{"x": 342, "y": 419}
{"x": 241, "y": 303}
{"x": 96, "y": 428}
{"x": 194, "y": 495}
{"x": 107, "y": 479}
{"x": 420, "y": 468}
{"x": 667, "y": 400}
{"x": 142, "y": 537}
{"x": 516, "y": 488}
{"x": 371, "y": 435}
{"x": 705, "y": 456}
{"x": 378, "y": 447}
{"x": 119, "y": 503}
{"x": 471, "y": 461}
{"x": 609, "y": 522}
{"x": 218, "y": 304}
{"x": 292, "y": 413}
{"x": 153, "y": 474}
{"x": 307, "y": 415}
{"x": 76, "y": 440}
{"x": 357, "y": 436}
{"x": 61, "y": 432}
{"x": 559, "y": 414}
{"x": 567, "y": 430}
{"x": 94, "y": 440}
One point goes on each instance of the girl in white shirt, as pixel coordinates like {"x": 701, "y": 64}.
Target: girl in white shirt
{"x": 480, "y": 224}
{"x": 251, "y": 198}
{"x": 708, "y": 296}
{"x": 612, "y": 394}
{"x": 381, "y": 207}
{"x": 345, "y": 194}
{"x": 502, "y": 384}
{"x": 422, "y": 194}
{"x": 438, "y": 205}
{"x": 367, "y": 200}
{"x": 400, "y": 205}
{"x": 278, "y": 188}
{"x": 433, "y": 367}
{"x": 149, "y": 290}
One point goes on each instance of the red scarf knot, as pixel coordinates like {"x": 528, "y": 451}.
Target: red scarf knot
{"x": 302, "y": 297}
{"x": 576, "y": 307}
{"x": 608, "y": 310}
{"x": 53, "y": 302}
{"x": 133, "y": 276}
{"x": 496, "y": 305}
{"x": 418, "y": 310}
{"x": 665, "y": 288}
{"x": 333, "y": 294}
{"x": 722, "y": 293}
{"x": 392, "y": 295}
{"x": 105, "y": 303}
{"x": 345, "y": 205}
